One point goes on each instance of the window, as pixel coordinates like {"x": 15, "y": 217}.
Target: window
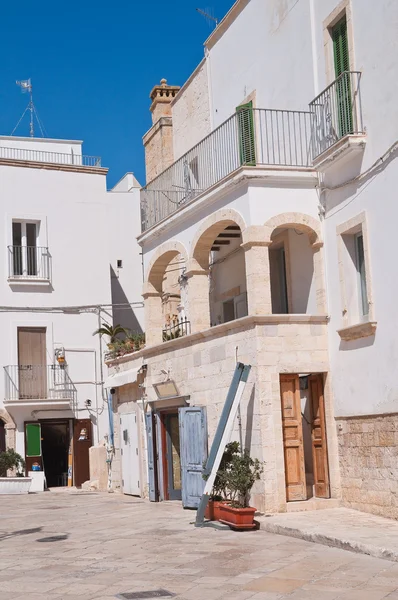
{"x": 247, "y": 145}
{"x": 343, "y": 84}
{"x": 362, "y": 287}
{"x": 355, "y": 282}
{"x": 27, "y": 260}
{"x": 119, "y": 264}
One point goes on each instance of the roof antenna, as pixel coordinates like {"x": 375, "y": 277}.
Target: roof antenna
{"x": 206, "y": 14}
{"x": 26, "y": 87}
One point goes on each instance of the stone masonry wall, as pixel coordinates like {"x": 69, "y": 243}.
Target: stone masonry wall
{"x": 202, "y": 367}
{"x": 368, "y": 450}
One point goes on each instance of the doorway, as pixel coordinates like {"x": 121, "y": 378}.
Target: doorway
{"x": 55, "y": 439}
{"x": 304, "y": 437}
{"x": 172, "y": 456}
{"x": 32, "y": 362}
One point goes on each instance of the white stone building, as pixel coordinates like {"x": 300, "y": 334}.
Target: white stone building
{"x": 271, "y": 231}
{"x": 67, "y": 247}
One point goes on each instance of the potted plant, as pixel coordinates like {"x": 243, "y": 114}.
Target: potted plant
{"x": 17, "y": 484}
{"x": 243, "y": 471}
{"x": 220, "y": 493}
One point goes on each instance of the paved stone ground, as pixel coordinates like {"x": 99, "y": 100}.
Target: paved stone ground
{"x": 110, "y": 544}
{"x": 342, "y": 528}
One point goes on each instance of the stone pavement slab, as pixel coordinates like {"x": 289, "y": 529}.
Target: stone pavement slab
{"x": 113, "y": 544}
{"x": 339, "y": 527}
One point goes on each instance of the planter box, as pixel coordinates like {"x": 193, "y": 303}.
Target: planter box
{"x": 15, "y": 485}
{"x": 237, "y": 518}
{"x": 213, "y": 510}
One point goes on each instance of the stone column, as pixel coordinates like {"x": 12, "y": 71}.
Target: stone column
{"x": 153, "y": 315}
{"x": 256, "y": 244}
{"x": 198, "y": 298}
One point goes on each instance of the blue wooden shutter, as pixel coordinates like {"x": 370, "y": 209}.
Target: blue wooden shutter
{"x": 151, "y": 457}
{"x": 193, "y": 448}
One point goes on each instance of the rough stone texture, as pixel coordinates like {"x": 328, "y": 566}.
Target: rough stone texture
{"x": 191, "y": 112}
{"x": 368, "y": 450}
{"x": 110, "y": 544}
{"x": 98, "y": 467}
{"x": 158, "y": 143}
{"x": 202, "y": 369}
{"x": 340, "y": 527}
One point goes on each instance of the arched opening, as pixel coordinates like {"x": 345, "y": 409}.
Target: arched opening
{"x": 292, "y": 274}
{"x": 218, "y": 251}
{"x": 168, "y": 289}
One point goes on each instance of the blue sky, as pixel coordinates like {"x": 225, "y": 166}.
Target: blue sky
{"x": 93, "y": 64}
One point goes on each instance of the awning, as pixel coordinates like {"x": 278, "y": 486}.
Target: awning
{"x": 122, "y": 378}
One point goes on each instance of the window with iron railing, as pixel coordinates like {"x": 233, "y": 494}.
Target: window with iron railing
{"x": 27, "y": 259}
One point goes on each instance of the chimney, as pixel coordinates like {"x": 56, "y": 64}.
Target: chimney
{"x": 158, "y": 141}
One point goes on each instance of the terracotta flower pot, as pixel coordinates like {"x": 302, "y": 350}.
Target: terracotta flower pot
{"x": 237, "y": 518}
{"x": 213, "y": 510}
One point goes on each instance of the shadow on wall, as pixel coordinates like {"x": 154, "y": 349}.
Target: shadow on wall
{"x": 122, "y": 315}
{"x": 356, "y": 344}
{"x": 249, "y": 419}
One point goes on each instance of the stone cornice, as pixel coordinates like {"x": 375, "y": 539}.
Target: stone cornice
{"x": 219, "y": 330}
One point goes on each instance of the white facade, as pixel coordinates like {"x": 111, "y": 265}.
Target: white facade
{"x": 332, "y": 211}
{"x": 66, "y": 284}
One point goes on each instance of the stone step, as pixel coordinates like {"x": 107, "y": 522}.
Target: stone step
{"x": 312, "y": 504}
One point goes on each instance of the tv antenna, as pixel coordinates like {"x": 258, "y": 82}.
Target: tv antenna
{"x": 206, "y": 14}
{"x": 26, "y": 87}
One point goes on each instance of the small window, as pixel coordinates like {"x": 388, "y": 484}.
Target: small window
{"x": 362, "y": 287}
{"x": 26, "y": 258}
{"x": 119, "y": 264}
{"x": 228, "y": 308}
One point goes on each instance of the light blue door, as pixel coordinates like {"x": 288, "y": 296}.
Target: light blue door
{"x": 193, "y": 448}
{"x": 151, "y": 457}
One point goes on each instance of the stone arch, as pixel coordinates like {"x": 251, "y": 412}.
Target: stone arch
{"x": 208, "y": 231}
{"x": 161, "y": 258}
{"x": 299, "y": 221}
{"x": 9, "y": 427}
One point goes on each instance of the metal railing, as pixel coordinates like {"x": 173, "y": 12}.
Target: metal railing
{"x": 250, "y": 137}
{"x": 38, "y": 382}
{"x": 80, "y": 160}
{"x": 336, "y": 112}
{"x": 176, "y": 329}
{"x": 29, "y": 262}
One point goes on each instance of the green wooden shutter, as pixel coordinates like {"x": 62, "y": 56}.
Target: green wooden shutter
{"x": 247, "y": 144}
{"x": 33, "y": 439}
{"x": 340, "y": 46}
{"x": 343, "y": 84}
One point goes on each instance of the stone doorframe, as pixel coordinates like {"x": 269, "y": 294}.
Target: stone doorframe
{"x": 9, "y": 427}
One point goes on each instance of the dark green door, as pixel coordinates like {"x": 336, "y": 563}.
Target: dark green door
{"x": 247, "y": 143}
{"x": 343, "y": 84}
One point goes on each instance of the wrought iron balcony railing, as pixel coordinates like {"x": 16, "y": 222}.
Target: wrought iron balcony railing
{"x": 43, "y": 156}
{"x": 29, "y": 262}
{"x": 38, "y": 382}
{"x": 250, "y": 137}
{"x": 176, "y": 329}
{"x": 337, "y": 112}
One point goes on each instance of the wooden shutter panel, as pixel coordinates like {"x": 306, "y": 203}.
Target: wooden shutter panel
{"x": 152, "y": 483}
{"x": 340, "y": 46}
{"x": 293, "y": 438}
{"x": 193, "y": 448}
{"x": 247, "y": 144}
{"x": 319, "y": 443}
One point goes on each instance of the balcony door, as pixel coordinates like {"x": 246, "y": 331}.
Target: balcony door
{"x": 32, "y": 362}
{"x": 24, "y": 249}
{"x": 247, "y": 142}
{"x": 343, "y": 83}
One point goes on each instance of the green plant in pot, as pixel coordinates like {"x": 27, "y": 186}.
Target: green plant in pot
{"x": 242, "y": 473}
{"x": 220, "y": 492}
{"x": 9, "y": 459}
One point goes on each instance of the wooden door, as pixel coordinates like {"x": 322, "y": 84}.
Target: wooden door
{"x": 82, "y": 441}
{"x": 152, "y": 463}
{"x": 193, "y": 441}
{"x": 319, "y": 442}
{"x": 293, "y": 438}
{"x": 33, "y": 450}
{"x": 129, "y": 451}
{"x": 32, "y": 362}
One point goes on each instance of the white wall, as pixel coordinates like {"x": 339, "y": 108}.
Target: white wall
{"x": 86, "y": 230}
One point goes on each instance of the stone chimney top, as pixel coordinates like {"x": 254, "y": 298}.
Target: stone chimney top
{"x": 161, "y": 96}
